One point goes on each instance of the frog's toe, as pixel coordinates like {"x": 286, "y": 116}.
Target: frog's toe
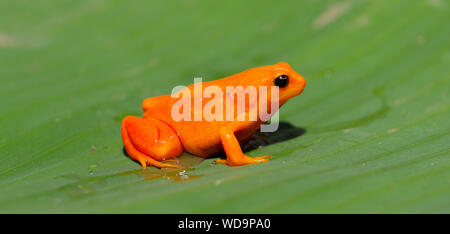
{"x": 222, "y": 161}
{"x": 143, "y": 163}
{"x": 246, "y": 160}
{"x": 251, "y": 160}
{"x": 168, "y": 165}
{"x": 148, "y": 161}
{"x": 264, "y": 158}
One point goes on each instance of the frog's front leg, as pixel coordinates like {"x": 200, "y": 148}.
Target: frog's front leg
{"x": 235, "y": 156}
{"x": 150, "y": 141}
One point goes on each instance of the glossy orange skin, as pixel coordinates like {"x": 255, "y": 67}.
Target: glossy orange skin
{"x": 157, "y": 137}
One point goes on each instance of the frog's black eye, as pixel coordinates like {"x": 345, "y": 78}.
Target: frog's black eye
{"x": 281, "y": 81}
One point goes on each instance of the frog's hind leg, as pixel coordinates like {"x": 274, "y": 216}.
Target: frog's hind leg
{"x": 150, "y": 141}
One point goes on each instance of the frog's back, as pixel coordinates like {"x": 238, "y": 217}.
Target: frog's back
{"x": 157, "y": 106}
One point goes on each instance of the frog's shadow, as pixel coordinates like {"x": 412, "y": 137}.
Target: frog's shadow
{"x": 285, "y": 131}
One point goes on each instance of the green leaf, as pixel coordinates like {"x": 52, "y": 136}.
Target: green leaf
{"x": 370, "y": 133}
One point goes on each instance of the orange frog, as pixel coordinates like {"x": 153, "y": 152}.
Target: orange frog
{"x": 159, "y": 137}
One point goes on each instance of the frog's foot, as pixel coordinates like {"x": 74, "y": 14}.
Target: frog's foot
{"x": 145, "y": 161}
{"x": 150, "y": 141}
{"x": 245, "y": 160}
